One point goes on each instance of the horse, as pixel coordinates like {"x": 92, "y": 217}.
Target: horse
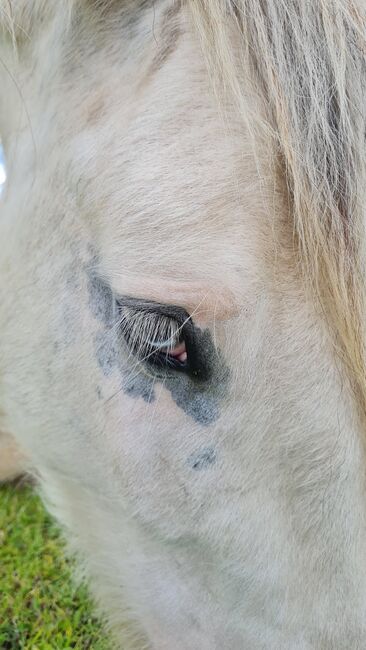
{"x": 182, "y": 296}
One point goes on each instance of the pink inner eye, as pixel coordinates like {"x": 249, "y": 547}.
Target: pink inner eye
{"x": 179, "y": 352}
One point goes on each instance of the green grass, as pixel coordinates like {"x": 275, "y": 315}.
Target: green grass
{"x": 40, "y": 608}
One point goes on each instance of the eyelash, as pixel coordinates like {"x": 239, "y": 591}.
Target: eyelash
{"x": 151, "y": 336}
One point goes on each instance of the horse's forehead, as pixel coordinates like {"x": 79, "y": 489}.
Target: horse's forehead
{"x": 169, "y": 175}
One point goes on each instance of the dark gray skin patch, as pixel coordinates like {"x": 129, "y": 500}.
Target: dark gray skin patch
{"x": 200, "y": 397}
{"x": 106, "y": 350}
{"x": 199, "y": 404}
{"x": 99, "y": 392}
{"x": 202, "y": 459}
{"x": 197, "y": 392}
{"x": 139, "y": 386}
{"x": 101, "y": 300}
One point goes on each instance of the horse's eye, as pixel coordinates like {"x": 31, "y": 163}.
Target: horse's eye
{"x": 164, "y": 337}
{"x": 155, "y": 337}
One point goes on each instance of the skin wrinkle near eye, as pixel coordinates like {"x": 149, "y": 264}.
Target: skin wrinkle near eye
{"x": 199, "y": 400}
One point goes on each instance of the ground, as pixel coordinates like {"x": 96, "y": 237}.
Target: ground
{"x": 40, "y": 607}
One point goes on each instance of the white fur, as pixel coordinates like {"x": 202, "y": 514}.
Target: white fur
{"x": 142, "y": 175}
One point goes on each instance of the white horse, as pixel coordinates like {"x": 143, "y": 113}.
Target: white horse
{"x": 182, "y": 358}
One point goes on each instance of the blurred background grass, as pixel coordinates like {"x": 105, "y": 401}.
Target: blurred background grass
{"x": 40, "y": 607}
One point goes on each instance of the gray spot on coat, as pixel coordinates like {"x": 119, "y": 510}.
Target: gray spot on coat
{"x": 202, "y": 459}
{"x": 200, "y": 398}
{"x": 101, "y": 300}
{"x": 199, "y": 402}
{"x": 139, "y": 386}
{"x": 106, "y": 350}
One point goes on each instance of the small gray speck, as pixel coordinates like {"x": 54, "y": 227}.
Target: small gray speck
{"x": 202, "y": 459}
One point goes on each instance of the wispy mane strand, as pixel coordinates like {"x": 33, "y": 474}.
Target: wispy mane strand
{"x": 308, "y": 60}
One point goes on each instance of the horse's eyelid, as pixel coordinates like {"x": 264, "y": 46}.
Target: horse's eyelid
{"x": 176, "y": 333}
{"x": 179, "y": 314}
